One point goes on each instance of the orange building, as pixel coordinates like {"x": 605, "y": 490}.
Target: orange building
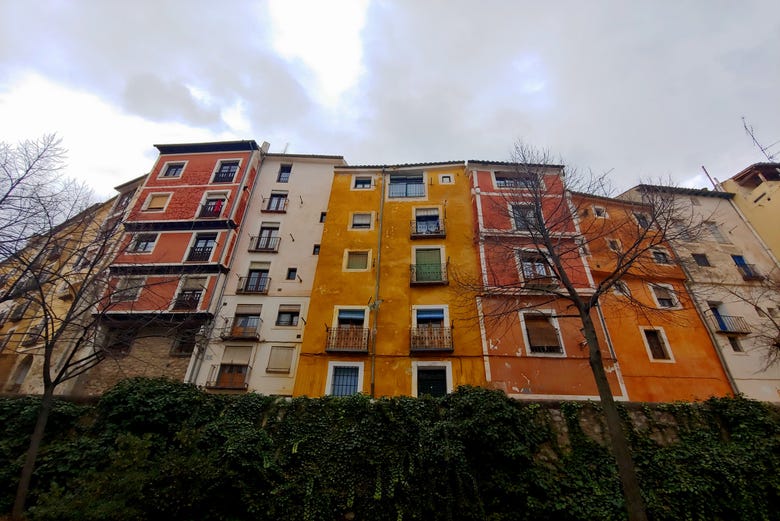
{"x": 387, "y": 316}
{"x": 663, "y": 348}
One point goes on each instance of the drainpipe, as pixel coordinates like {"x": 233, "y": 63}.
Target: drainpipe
{"x": 375, "y": 305}
{"x": 197, "y": 360}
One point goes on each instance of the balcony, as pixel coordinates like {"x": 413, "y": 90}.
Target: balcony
{"x": 275, "y": 205}
{"x": 545, "y": 282}
{"x": 422, "y": 274}
{"x": 265, "y": 244}
{"x": 347, "y": 339}
{"x": 242, "y": 329}
{"x": 729, "y": 324}
{"x": 229, "y": 377}
{"x": 749, "y": 272}
{"x": 253, "y": 285}
{"x": 211, "y": 210}
{"x": 200, "y": 254}
{"x": 428, "y": 229}
{"x": 427, "y": 339}
{"x": 187, "y": 300}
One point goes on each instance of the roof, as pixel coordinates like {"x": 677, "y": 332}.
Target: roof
{"x": 304, "y": 156}
{"x": 755, "y": 169}
{"x": 703, "y": 192}
{"x": 401, "y": 165}
{"x": 511, "y": 163}
{"x": 214, "y": 146}
{"x": 606, "y": 198}
{"x": 127, "y": 184}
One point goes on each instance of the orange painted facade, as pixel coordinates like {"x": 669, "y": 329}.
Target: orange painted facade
{"x": 661, "y": 343}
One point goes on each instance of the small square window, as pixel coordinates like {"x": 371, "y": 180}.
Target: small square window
{"x": 614, "y": 245}
{"x": 701, "y": 259}
{"x": 432, "y": 381}
{"x": 656, "y": 345}
{"x": 357, "y": 260}
{"x": 128, "y": 289}
{"x": 322, "y": 216}
{"x": 226, "y": 172}
{"x": 361, "y": 221}
{"x": 664, "y": 296}
{"x": 284, "y": 174}
{"x": 173, "y": 170}
{"x": 735, "y": 345}
{"x": 280, "y": 359}
{"x": 143, "y": 243}
{"x": 288, "y": 315}
{"x": 661, "y": 257}
{"x": 642, "y": 219}
{"x": 600, "y": 211}
{"x": 445, "y": 179}
{"x": 315, "y": 250}
{"x": 621, "y": 288}
{"x": 523, "y": 217}
{"x": 292, "y": 273}
{"x": 156, "y": 202}
{"x": 362, "y": 183}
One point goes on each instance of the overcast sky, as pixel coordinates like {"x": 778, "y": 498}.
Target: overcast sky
{"x": 644, "y": 90}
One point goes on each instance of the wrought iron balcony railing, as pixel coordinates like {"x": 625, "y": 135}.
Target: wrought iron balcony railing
{"x": 430, "y": 338}
{"x": 749, "y": 272}
{"x": 241, "y": 328}
{"x": 254, "y": 285}
{"x": 541, "y": 282}
{"x": 229, "y": 376}
{"x": 266, "y": 244}
{"x": 426, "y": 229}
{"x": 275, "y": 205}
{"x": 199, "y": 253}
{"x": 348, "y": 339}
{"x": 211, "y": 210}
{"x": 729, "y": 324}
{"x": 429, "y": 274}
{"x": 187, "y": 299}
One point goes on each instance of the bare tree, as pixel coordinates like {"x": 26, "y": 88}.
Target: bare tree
{"x": 543, "y": 204}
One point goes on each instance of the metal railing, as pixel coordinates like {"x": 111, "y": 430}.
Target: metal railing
{"x": 229, "y": 376}
{"x": 239, "y": 329}
{"x": 749, "y": 272}
{"x": 406, "y": 190}
{"x": 267, "y": 244}
{"x": 429, "y": 274}
{"x": 348, "y": 339}
{"x": 211, "y": 210}
{"x": 430, "y": 338}
{"x": 275, "y": 205}
{"x": 187, "y": 299}
{"x": 422, "y": 229}
{"x": 541, "y": 282}
{"x": 256, "y": 285}
{"x": 199, "y": 253}
{"x": 729, "y": 324}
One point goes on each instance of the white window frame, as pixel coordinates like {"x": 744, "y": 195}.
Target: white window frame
{"x": 165, "y": 166}
{"x": 416, "y": 364}
{"x": 602, "y": 209}
{"x": 293, "y": 359}
{"x": 352, "y": 221}
{"x": 520, "y": 253}
{"x": 336, "y": 309}
{"x": 329, "y": 379}
{"x": 345, "y": 260}
{"x": 542, "y": 185}
{"x": 355, "y": 177}
{"x": 446, "y": 179}
{"x": 225, "y": 194}
{"x": 148, "y": 200}
{"x": 511, "y": 213}
{"x": 445, "y": 307}
{"x": 550, "y": 314}
{"x": 218, "y": 165}
{"x": 667, "y": 346}
{"x": 609, "y": 241}
{"x": 675, "y": 297}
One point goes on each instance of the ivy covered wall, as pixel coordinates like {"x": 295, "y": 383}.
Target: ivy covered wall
{"x": 153, "y": 449}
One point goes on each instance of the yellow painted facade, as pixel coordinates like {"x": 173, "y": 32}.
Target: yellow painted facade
{"x": 387, "y": 316}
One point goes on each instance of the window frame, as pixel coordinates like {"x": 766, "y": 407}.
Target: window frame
{"x": 289, "y": 348}
{"x": 135, "y": 241}
{"x": 602, "y": 209}
{"x": 168, "y": 165}
{"x": 522, "y": 255}
{"x": 221, "y": 195}
{"x": 218, "y": 169}
{"x": 697, "y": 257}
{"x": 446, "y": 179}
{"x": 426, "y": 364}
{"x": 295, "y": 319}
{"x": 291, "y": 270}
{"x": 345, "y": 261}
{"x": 284, "y": 173}
{"x": 663, "y": 254}
{"x": 406, "y": 195}
{"x": 642, "y": 220}
{"x": 148, "y": 201}
{"x": 553, "y": 321}
{"x": 329, "y": 379}
{"x": 338, "y": 308}
{"x": 361, "y": 228}
{"x": 516, "y": 184}
{"x": 362, "y": 178}
{"x": 421, "y": 307}
{"x": 125, "y": 292}
{"x": 664, "y": 344}
{"x": 513, "y": 217}
{"x": 675, "y": 298}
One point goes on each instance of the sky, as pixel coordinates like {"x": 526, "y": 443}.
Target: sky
{"x": 642, "y": 90}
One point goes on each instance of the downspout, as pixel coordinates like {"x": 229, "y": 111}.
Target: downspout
{"x": 375, "y": 305}
{"x": 201, "y": 351}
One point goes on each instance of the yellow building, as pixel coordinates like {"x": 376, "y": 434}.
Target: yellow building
{"x": 387, "y": 316}
{"x": 756, "y": 192}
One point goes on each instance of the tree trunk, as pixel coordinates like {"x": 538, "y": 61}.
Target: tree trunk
{"x": 625, "y": 462}
{"x": 32, "y": 453}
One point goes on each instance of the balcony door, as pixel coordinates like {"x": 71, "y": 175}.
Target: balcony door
{"x": 428, "y": 264}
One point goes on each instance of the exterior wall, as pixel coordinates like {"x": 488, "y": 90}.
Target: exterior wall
{"x": 759, "y": 200}
{"x": 693, "y": 370}
{"x": 512, "y": 365}
{"x": 299, "y": 230}
{"x": 388, "y": 357}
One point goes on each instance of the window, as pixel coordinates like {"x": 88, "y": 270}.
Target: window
{"x": 315, "y": 249}
{"x": 202, "y": 247}
{"x": 277, "y": 202}
{"x": 428, "y": 266}
{"x": 185, "y": 342}
{"x": 714, "y": 230}
{"x": 429, "y": 317}
{"x": 600, "y": 211}
{"x": 432, "y": 381}
{"x": 427, "y": 222}
{"x": 288, "y": 315}
{"x": 322, "y": 216}
{"x": 361, "y": 221}
{"x": 143, "y": 243}
{"x": 621, "y": 288}
{"x": 361, "y": 183}
{"x": 656, "y": 345}
{"x": 128, "y": 289}
{"x": 232, "y": 376}
{"x": 523, "y": 217}
{"x": 526, "y": 180}
{"x": 123, "y": 201}
{"x": 284, "y": 174}
{"x": 245, "y": 326}
{"x": 748, "y": 271}
{"x": 256, "y": 281}
{"x": 661, "y": 257}
{"x": 344, "y": 378}
{"x": 349, "y": 333}
{"x": 33, "y": 335}
{"x": 735, "y": 345}
{"x": 120, "y": 341}
{"x": 292, "y": 273}
{"x": 664, "y": 296}
{"x": 701, "y": 259}
{"x": 213, "y": 206}
{"x": 226, "y": 172}
{"x": 280, "y": 359}
{"x": 534, "y": 266}
{"x": 189, "y": 294}
{"x": 445, "y": 179}
{"x": 18, "y": 311}
{"x": 614, "y": 245}
{"x": 642, "y": 219}
{"x": 351, "y": 317}
{"x": 357, "y": 260}
{"x": 268, "y": 240}
{"x": 156, "y": 202}
{"x": 407, "y": 186}
{"x": 173, "y": 169}
{"x": 541, "y": 334}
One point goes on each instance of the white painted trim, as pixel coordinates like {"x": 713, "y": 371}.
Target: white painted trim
{"x": 445, "y": 307}
{"x": 345, "y": 258}
{"x": 372, "y": 219}
{"x": 447, "y": 365}
{"x": 148, "y": 200}
{"x": 164, "y": 168}
{"x": 443, "y": 182}
{"x": 336, "y": 309}
{"x": 354, "y": 178}
{"x": 675, "y": 298}
{"x": 332, "y": 365}
{"x": 667, "y": 346}
{"x": 218, "y": 164}
{"x": 550, "y": 314}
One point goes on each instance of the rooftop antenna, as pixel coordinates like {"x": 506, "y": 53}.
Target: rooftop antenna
{"x": 286, "y": 146}
{"x": 714, "y": 184}
{"x": 764, "y": 150}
